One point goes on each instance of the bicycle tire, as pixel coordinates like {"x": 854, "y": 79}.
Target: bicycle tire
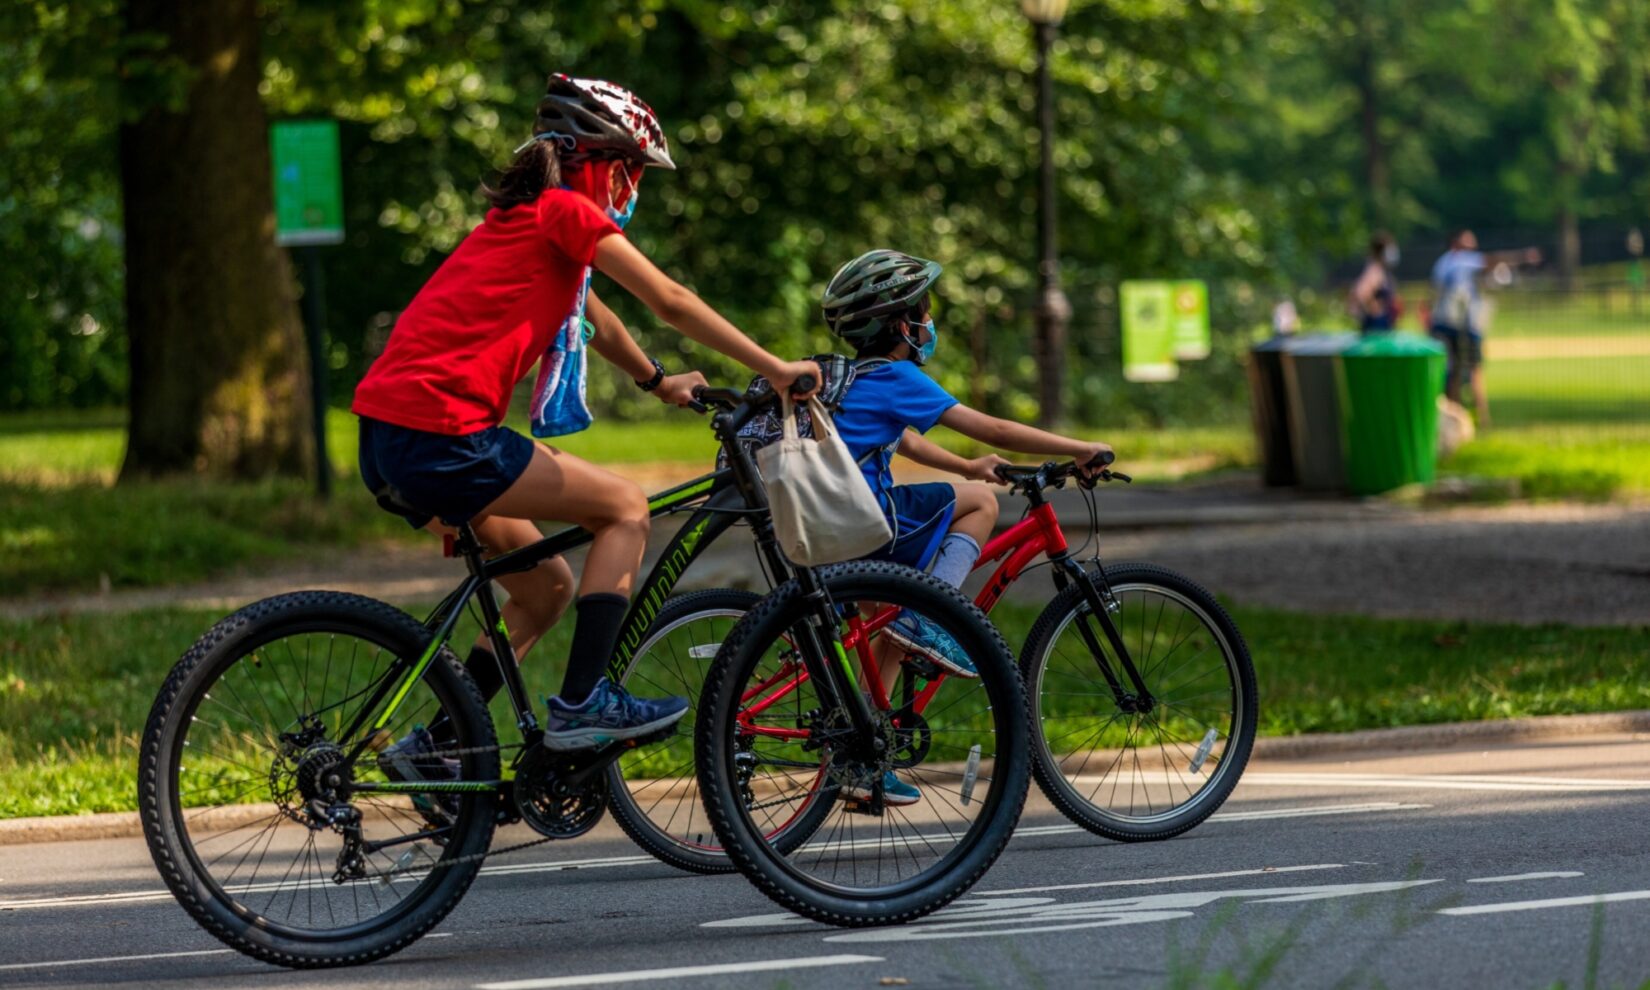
{"x": 1050, "y": 769}
{"x": 716, "y": 747}
{"x": 166, "y": 828}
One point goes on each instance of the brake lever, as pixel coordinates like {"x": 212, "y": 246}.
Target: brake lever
{"x": 697, "y": 406}
{"x": 1110, "y": 475}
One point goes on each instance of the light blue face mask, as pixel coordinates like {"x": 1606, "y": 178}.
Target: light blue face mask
{"x": 622, "y": 217}
{"x": 920, "y": 353}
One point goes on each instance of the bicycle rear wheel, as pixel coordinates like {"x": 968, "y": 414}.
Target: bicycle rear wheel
{"x": 1140, "y": 775}
{"x": 654, "y": 791}
{"x": 918, "y": 812}
{"x": 266, "y": 831}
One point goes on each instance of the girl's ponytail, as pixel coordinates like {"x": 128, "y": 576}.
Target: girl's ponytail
{"x": 537, "y": 167}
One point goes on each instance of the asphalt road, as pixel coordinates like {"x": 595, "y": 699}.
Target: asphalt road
{"x": 1506, "y": 867}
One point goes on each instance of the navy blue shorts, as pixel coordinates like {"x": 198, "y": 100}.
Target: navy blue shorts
{"x": 451, "y": 478}
{"x": 920, "y": 516}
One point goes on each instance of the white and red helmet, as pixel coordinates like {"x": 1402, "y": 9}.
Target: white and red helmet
{"x": 596, "y": 119}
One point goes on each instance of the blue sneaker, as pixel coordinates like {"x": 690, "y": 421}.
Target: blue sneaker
{"x": 894, "y": 791}
{"x": 610, "y": 714}
{"x": 917, "y": 634}
{"x": 413, "y": 758}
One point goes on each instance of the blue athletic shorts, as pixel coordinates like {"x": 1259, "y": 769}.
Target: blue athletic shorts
{"x": 451, "y": 478}
{"x": 920, "y": 516}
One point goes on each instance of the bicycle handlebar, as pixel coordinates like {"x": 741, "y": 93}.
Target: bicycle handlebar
{"x": 1053, "y": 474}
{"x": 705, "y": 396}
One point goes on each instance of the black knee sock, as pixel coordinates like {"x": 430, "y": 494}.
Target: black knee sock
{"x": 595, "y": 634}
{"x": 484, "y": 670}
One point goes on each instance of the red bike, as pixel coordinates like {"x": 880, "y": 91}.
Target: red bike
{"x": 1141, "y": 691}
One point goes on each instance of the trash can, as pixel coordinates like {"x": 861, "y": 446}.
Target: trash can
{"x": 1389, "y": 409}
{"x": 1312, "y": 384}
{"x": 1269, "y": 409}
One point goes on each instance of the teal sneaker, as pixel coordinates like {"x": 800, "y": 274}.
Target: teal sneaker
{"x": 917, "y": 634}
{"x": 894, "y": 791}
{"x": 610, "y": 714}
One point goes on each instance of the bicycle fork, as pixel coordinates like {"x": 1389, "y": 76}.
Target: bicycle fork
{"x": 1101, "y": 604}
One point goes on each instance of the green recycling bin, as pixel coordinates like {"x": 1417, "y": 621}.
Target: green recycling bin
{"x": 1389, "y": 411}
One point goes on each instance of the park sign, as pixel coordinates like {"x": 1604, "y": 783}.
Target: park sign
{"x": 1164, "y": 322}
{"x": 309, "y": 199}
{"x": 1148, "y": 333}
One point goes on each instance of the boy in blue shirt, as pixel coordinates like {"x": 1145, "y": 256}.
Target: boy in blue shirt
{"x": 879, "y": 303}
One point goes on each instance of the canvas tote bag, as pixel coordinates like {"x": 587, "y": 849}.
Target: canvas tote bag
{"x": 823, "y": 511}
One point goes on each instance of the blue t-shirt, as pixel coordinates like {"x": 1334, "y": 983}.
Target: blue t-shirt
{"x": 880, "y": 404}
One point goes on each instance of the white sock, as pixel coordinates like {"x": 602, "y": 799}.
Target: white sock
{"x": 956, "y": 558}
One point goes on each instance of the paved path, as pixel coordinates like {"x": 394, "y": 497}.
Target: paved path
{"x": 1452, "y": 867}
{"x": 1576, "y": 564}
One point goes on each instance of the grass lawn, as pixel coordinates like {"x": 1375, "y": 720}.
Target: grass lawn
{"x": 75, "y": 690}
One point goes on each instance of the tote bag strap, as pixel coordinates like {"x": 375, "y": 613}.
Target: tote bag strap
{"x": 823, "y": 427}
{"x": 787, "y": 417}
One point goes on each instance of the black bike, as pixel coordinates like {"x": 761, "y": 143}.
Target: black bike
{"x": 289, "y": 810}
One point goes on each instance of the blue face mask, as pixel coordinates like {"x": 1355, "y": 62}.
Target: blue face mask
{"x": 922, "y": 352}
{"x": 622, "y": 217}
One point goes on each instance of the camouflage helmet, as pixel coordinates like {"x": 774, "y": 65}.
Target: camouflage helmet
{"x": 877, "y": 285}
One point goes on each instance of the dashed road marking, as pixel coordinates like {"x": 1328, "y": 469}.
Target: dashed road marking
{"x": 1586, "y": 900}
{"x": 678, "y": 972}
{"x": 1514, "y": 878}
{"x": 1263, "y": 871}
{"x": 99, "y": 960}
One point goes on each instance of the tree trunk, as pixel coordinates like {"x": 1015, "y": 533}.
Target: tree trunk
{"x": 1377, "y": 179}
{"x": 218, "y": 384}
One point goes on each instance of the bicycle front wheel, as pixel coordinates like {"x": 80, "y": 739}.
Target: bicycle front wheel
{"x": 916, "y": 812}
{"x": 1120, "y": 771}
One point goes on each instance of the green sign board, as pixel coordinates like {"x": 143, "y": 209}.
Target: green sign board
{"x": 309, "y": 199}
{"x": 1190, "y": 319}
{"x": 1148, "y": 332}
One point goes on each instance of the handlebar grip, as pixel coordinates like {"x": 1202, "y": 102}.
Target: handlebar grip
{"x": 804, "y": 383}
{"x": 698, "y": 393}
{"x": 1101, "y": 459}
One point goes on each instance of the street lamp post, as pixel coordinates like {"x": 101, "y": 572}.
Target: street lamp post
{"x": 1053, "y": 310}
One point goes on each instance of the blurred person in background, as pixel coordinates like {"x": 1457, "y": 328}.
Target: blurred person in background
{"x": 1460, "y": 317}
{"x": 1374, "y": 299}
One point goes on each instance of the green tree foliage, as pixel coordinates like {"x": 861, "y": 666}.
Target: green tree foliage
{"x": 1241, "y": 141}
{"x": 61, "y": 323}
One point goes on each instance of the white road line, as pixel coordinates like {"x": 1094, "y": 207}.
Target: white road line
{"x": 1313, "y": 812}
{"x": 1150, "y": 880}
{"x": 724, "y": 969}
{"x": 513, "y": 869}
{"x": 116, "y": 959}
{"x": 1553, "y": 902}
{"x": 1454, "y": 782}
{"x": 1551, "y": 875}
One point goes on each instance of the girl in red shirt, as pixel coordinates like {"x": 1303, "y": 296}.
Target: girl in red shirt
{"x": 516, "y": 290}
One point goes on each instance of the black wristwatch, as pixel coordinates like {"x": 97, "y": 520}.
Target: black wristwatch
{"x": 658, "y": 376}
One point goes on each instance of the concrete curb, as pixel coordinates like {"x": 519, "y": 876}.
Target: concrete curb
{"x": 126, "y": 824}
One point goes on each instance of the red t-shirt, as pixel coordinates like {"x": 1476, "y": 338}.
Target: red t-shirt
{"x": 484, "y": 317}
